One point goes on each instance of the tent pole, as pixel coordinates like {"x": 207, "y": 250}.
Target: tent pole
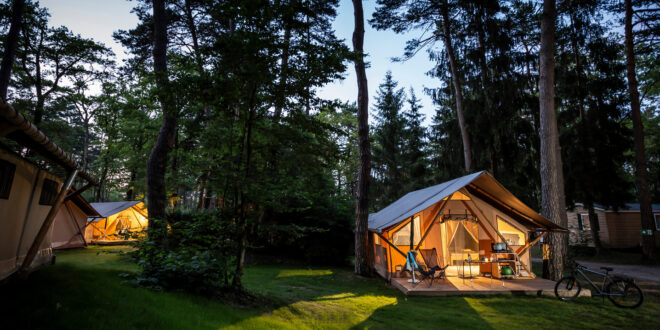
{"x": 75, "y": 223}
{"x": 530, "y": 244}
{"x": 479, "y": 222}
{"x": 392, "y": 245}
{"x": 78, "y": 192}
{"x": 428, "y": 230}
{"x": 412, "y": 232}
{"x": 45, "y": 226}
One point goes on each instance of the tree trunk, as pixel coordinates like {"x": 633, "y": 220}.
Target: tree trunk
{"x": 458, "y": 94}
{"x": 281, "y": 98}
{"x": 362, "y": 250}
{"x": 85, "y": 145}
{"x": 157, "y": 164}
{"x": 10, "y": 47}
{"x": 553, "y": 203}
{"x": 648, "y": 237}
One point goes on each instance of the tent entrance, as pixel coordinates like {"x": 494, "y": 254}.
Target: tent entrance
{"x": 462, "y": 237}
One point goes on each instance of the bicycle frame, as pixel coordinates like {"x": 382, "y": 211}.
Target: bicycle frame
{"x": 606, "y": 279}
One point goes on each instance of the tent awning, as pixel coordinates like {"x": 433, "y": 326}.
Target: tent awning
{"x": 107, "y": 209}
{"x": 481, "y": 184}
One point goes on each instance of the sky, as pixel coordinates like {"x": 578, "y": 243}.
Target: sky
{"x": 98, "y": 19}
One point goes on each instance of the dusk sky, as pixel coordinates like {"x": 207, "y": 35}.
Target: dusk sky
{"x": 98, "y": 19}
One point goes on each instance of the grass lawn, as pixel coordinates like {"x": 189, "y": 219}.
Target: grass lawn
{"x": 84, "y": 291}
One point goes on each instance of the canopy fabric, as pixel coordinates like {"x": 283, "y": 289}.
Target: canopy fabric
{"x": 107, "y": 209}
{"x": 482, "y": 183}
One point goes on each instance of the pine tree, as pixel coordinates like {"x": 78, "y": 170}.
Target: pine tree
{"x": 414, "y": 146}
{"x": 388, "y": 155}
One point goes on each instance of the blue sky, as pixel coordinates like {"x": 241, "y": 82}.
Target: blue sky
{"x": 98, "y": 19}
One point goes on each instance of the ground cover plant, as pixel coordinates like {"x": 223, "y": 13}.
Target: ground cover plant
{"x": 84, "y": 290}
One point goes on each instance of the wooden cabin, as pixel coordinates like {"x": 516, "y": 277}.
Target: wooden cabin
{"x": 619, "y": 228}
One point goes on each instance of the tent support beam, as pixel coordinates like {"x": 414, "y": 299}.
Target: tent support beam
{"x": 45, "y": 226}
{"x": 532, "y": 243}
{"x": 428, "y": 230}
{"x": 479, "y": 222}
{"x": 75, "y": 223}
{"x": 78, "y": 192}
{"x": 390, "y": 244}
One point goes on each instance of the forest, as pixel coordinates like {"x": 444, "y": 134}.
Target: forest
{"x": 215, "y": 119}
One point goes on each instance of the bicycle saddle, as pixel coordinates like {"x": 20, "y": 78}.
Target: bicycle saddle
{"x": 609, "y": 269}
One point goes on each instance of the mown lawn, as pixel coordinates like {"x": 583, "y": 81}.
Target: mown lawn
{"x": 84, "y": 291}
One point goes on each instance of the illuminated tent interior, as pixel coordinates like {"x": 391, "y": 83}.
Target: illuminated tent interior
{"x": 117, "y": 221}
{"x": 460, "y": 219}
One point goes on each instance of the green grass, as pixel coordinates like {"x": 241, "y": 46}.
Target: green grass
{"x": 84, "y": 291}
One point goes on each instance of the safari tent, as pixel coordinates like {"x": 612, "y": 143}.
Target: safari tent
{"x": 30, "y": 194}
{"x": 117, "y": 221}
{"x": 458, "y": 221}
{"x": 70, "y": 223}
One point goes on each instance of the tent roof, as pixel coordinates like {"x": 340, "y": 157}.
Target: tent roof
{"x": 107, "y": 209}
{"x": 83, "y": 204}
{"x": 482, "y": 184}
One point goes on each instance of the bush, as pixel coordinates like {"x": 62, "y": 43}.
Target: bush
{"x": 199, "y": 256}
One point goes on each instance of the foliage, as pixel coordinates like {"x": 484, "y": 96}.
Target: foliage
{"x": 198, "y": 258}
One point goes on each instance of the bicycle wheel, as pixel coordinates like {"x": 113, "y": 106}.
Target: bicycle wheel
{"x": 567, "y": 288}
{"x": 624, "y": 293}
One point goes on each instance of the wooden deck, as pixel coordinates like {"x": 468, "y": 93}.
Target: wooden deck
{"x": 455, "y": 286}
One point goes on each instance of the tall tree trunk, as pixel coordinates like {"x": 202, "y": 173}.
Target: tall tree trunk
{"x": 157, "y": 164}
{"x": 458, "y": 93}
{"x": 10, "y": 47}
{"x": 362, "y": 250}
{"x": 284, "y": 70}
{"x": 553, "y": 203}
{"x": 85, "y": 145}
{"x": 648, "y": 237}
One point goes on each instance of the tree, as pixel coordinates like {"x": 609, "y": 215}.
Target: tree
{"x": 10, "y": 47}
{"x": 643, "y": 194}
{"x": 553, "y": 203}
{"x": 388, "y": 163}
{"x": 157, "y": 165}
{"x": 362, "y": 250}
{"x": 46, "y": 56}
{"x": 414, "y": 146}
{"x": 401, "y": 16}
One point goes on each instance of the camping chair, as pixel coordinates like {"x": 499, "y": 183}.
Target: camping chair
{"x": 424, "y": 271}
{"x": 430, "y": 257}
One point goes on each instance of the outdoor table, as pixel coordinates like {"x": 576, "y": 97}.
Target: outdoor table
{"x": 470, "y": 262}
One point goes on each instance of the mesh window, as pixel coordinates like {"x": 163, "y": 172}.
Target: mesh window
{"x": 7, "y": 171}
{"x": 48, "y": 192}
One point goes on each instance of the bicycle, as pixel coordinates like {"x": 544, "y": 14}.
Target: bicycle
{"x": 621, "y": 291}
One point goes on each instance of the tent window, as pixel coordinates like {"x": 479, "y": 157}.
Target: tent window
{"x": 7, "y": 171}
{"x": 402, "y": 236}
{"x": 657, "y": 222}
{"x": 48, "y": 192}
{"x": 513, "y": 235}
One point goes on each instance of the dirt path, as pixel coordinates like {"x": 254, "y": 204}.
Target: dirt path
{"x": 638, "y": 272}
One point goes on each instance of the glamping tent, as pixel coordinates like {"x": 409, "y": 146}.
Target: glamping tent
{"x": 117, "y": 221}
{"x": 457, "y": 221}
{"x": 70, "y": 223}
{"x": 30, "y": 195}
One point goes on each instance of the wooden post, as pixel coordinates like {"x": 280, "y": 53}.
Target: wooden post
{"x": 444, "y": 203}
{"x": 32, "y": 252}
{"x": 75, "y": 223}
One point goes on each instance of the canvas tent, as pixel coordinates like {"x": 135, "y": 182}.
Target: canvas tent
{"x": 459, "y": 219}
{"x": 30, "y": 195}
{"x": 117, "y": 221}
{"x": 70, "y": 223}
